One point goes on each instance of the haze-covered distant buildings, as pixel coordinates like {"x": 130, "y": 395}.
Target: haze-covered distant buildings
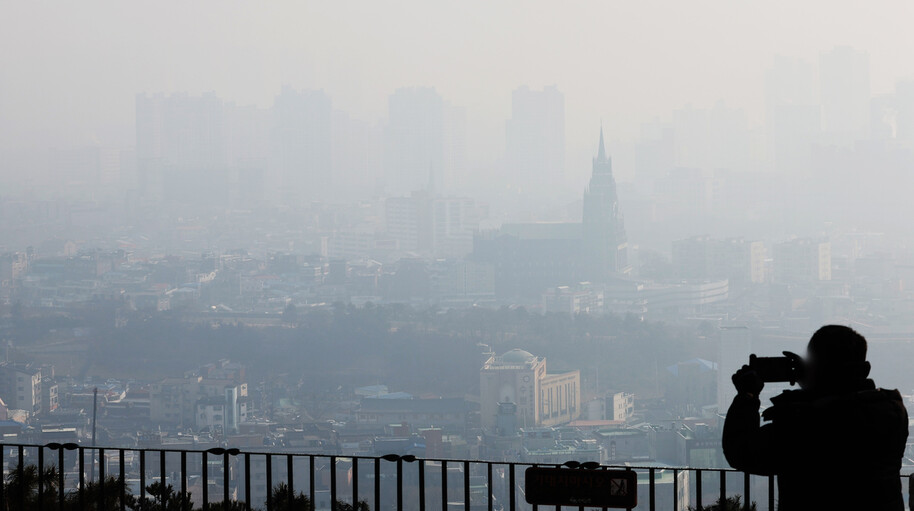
{"x": 302, "y": 144}
{"x": 534, "y": 256}
{"x": 704, "y": 258}
{"x": 424, "y": 141}
{"x": 535, "y": 137}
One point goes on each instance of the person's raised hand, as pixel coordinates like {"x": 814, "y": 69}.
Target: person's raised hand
{"x": 747, "y": 381}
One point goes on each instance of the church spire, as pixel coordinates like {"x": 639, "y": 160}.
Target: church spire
{"x": 601, "y": 155}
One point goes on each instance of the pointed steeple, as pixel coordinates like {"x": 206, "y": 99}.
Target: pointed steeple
{"x": 601, "y": 155}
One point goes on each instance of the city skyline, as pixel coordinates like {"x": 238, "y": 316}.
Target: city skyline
{"x": 342, "y": 239}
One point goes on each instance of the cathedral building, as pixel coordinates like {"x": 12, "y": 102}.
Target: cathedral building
{"x": 605, "y": 245}
{"x": 532, "y": 257}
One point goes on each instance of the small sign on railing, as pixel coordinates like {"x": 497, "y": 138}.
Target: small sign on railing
{"x": 549, "y": 486}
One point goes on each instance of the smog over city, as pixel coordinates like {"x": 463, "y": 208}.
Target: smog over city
{"x": 317, "y": 255}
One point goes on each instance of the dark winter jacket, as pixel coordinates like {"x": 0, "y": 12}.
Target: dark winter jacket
{"x": 834, "y": 452}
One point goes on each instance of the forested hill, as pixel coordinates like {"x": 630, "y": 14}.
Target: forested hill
{"x": 429, "y": 350}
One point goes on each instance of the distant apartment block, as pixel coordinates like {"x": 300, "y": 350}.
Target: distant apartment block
{"x": 656, "y": 298}
{"x": 434, "y": 225}
{"x": 802, "y": 260}
{"x": 450, "y": 413}
{"x": 704, "y": 258}
{"x": 20, "y": 387}
{"x": 583, "y": 298}
{"x": 198, "y": 401}
{"x": 612, "y": 406}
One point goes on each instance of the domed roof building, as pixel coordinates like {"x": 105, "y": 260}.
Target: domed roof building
{"x": 519, "y": 377}
{"x": 516, "y": 356}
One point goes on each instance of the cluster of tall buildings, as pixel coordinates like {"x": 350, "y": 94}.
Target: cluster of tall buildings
{"x": 204, "y": 149}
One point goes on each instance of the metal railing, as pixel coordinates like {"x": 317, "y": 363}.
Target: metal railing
{"x": 390, "y": 482}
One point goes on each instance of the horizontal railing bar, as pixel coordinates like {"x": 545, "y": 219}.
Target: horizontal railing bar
{"x": 363, "y": 457}
{"x": 371, "y": 458}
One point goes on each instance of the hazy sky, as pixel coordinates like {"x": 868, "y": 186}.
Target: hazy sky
{"x": 69, "y": 70}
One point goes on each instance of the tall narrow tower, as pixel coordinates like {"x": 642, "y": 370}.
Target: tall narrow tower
{"x": 605, "y": 244}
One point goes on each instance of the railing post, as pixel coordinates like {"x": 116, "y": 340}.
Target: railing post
{"x": 723, "y": 486}
{"x": 269, "y": 460}
{"x": 101, "y": 478}
{"x": 489, "y": 504}
{"x": 143, "y": 479}
{"x": 204, "y": 476}
{"x": 225, "y": 479}
{"x": 443, "y": 485}
{"x": 355, "y": 483}
{"x": 466, "y": 486}
{"x": 122, "y": 479}
{"x": 377, "y": 484}
{"x": 512, "y": 496}
{"x": 40, "y": 478}
{"x": 184, "y": 502}
{"x": 333, "y": 506}
{"x": 60, "y": 480}
{"x": 399, "y": 484}
{"x": 421, "y": 485}
{"x": 247, "y": 481}
{"x": 698, "y": 489}
{"x": 82, "y": 477}
{"x": 19, "y": 471}
{"x": 651, "y": 491}
{"x": 162, "y": 475}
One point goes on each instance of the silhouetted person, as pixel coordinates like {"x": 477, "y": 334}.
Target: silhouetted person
{"x": 836, "y": 443}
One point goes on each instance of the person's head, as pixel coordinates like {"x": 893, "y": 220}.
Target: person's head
{"x": 835, "y": 358}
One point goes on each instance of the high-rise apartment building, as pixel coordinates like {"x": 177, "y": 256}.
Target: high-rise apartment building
{"x": 20, "y": 387}
{"x": 414, "y": 139}
{"x": 535, "y": 136}
{"x": 792, "y": 113}
{"x": 302, "y": 144}
{"x": 802, "y": 260}
{"x": 181, "y": 146}
{"x": 435, "y": 225}
{"x": 705, "y": 258}
{"x": 196, "y": 400}
{"x": 844, "y": 79}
